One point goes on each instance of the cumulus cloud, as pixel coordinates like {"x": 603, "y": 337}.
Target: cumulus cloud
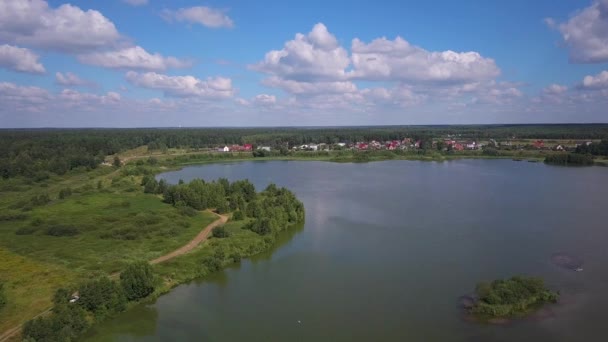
{"x": 136, "y": 2}
{"x": 184, "y": 86}
{"x": 134, "y": 57}
{"x": 599, "y": 81}
{"x": 66, "y": 28}
{"x": 70, "y": 79}
{"x": 296, "y": 87}
{"x": 75, "y": 98}
{"x": 555, "y": 89}
{"x": 265, "y": 99}
{"x": 316, "y": 56}
{"x": 202, "y": 15}
{"x": 21, "y": 98}
{"x": 398, "y": 60}
{"x": 20, "y": 59}
{"x": 586, "y": 33}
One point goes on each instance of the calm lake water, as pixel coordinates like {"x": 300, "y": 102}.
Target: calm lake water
{"x": 387, "y": 250}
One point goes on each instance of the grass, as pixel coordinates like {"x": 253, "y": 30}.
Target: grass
{"x": 30, "y": 285}
{"x": 114, "y": 226}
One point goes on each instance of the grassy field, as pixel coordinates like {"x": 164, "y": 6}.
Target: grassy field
{"x": 93, "y": 231}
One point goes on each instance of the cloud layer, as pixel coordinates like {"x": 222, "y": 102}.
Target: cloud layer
{"x": 202, "y": 15}
{"x": 586, "y": 33}
{"x": 20, "y": 59}
{"x": 184, "y": 86}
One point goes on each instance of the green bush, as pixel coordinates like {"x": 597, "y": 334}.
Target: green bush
{"x": 10, "y": 215}
{"x": 61, "y": 230}
{"x": 102, "y": 296}
{"x": 27, "y": 230}
{"x": 238, "y": 216}
{"x": 137, "y": 280}
{"x": 220, "y": 232}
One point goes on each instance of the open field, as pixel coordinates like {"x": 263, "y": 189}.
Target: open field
{"x": 91, "y": 232}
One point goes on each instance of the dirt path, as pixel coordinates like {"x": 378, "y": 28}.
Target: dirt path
{"x": 198, "y": 239}
{"x": 202, "y": 236}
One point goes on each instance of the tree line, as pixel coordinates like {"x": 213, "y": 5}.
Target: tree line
{"x": 35, "y": 153}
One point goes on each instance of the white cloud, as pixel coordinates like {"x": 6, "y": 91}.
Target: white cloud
{"x": 73, "y": 98}
{"x": 296, "y": 87}
{"x": 205, "y": 16}
{"x": 70, "y": 79}
{"x": 555, "y": 89}
{"x": 16, "y": 98}
{"x": 132, "y": 58}
{"x": 398, "y": 60}
{"x": 316, "y": 56}
{"x": 20, "y": 59}
{"x": 66, "y": 28}
{"x": 265, "y": 99}
{"x": 136, "y": 2}
{"x": 586, "y": 33}
{"x": 599, "y": 81}
{"x": 184, "y": 86}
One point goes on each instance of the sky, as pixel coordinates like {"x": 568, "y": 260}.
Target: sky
{"x": 155, "y": 63}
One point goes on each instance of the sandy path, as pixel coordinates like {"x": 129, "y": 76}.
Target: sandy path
{"x": 202, "y": 236}
{"x": 198, "y": 239}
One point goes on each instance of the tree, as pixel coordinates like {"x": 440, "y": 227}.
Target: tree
{"x": 101, "y": 296}
{"x": 137, "y": 280}
{"x": 117, "y": 162}
{"x": 238, "y": 215}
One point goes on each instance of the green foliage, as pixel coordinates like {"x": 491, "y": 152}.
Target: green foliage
{"x": 220, "y": 232}
{"x": 66, "y": 323}
{"x": 116, "y": 162}
{"x": 490, "y": 151}
{"x": 515, "y": 296}
{"x": 61, "y": 230}
{"x": 3, "y": 297}
{"x": 65, "y": 192}
{"x": 238, "y": 215}
{"x": 276, "y": 209}
{"x": 137, "y": 280}
{"x": 102, "y": 296}
{"x": 11, "y": 215}
{"x": 596, "y": 149}
{"x": 569, "y": 159}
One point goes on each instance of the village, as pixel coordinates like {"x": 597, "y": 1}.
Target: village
{"x": 443, "y": 144}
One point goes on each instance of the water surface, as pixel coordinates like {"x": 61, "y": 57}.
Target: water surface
{"x": 389, "y": 247}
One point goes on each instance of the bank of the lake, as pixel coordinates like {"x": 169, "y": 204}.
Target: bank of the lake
{"x": 387, "y": 250}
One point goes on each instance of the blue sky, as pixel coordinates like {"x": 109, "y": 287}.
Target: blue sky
{"x": 134, "y": 63}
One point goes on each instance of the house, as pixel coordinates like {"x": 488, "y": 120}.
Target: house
{"x": 223, "y": 149}
{"x": 392, "y": 145}
{"x": 313, "y": 147}
{"x": 236, "y": 148}
{"x": 374, "y": 144}
{"x": 458, "y": 147}
{"x": 362, "y": 146}
{"x": 247, "y": 147}
{"x": 539, "y": 144}
{"x": 471, "y": 145}
{"x": 559, "y": 148}
{"x": 417, "y": 143}
{"x": 264, "y": 148}
{"x": 341, "y": 144}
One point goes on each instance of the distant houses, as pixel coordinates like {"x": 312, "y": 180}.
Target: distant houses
{"x": 236, "y": 148}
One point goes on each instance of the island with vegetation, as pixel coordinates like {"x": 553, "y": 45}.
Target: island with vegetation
{"x": 508, "y": 298}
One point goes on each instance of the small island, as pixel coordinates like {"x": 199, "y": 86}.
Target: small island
{"x": 508, "y": 298}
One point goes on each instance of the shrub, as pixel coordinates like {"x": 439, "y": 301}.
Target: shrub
{"x": 102, "y": 296}
{"x": 3, "y": 297}
{"x": 60, "y": 230}
{"x": 187, "y": 211}
{"x": 64, "y": 193}
{"x": 28, "y": 230}
{"x": 137, "y": 280}
{"x": 10, "y": 215}
{"x": 238, "y": 215}
{"x": 220, "y": 232}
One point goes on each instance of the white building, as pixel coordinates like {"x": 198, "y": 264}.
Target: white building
{"x": 223, "y": 149}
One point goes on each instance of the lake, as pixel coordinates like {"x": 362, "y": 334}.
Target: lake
{"x": 387, "y": 250}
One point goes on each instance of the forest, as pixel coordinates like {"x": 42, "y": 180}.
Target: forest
{"x": 35, "y": 153}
